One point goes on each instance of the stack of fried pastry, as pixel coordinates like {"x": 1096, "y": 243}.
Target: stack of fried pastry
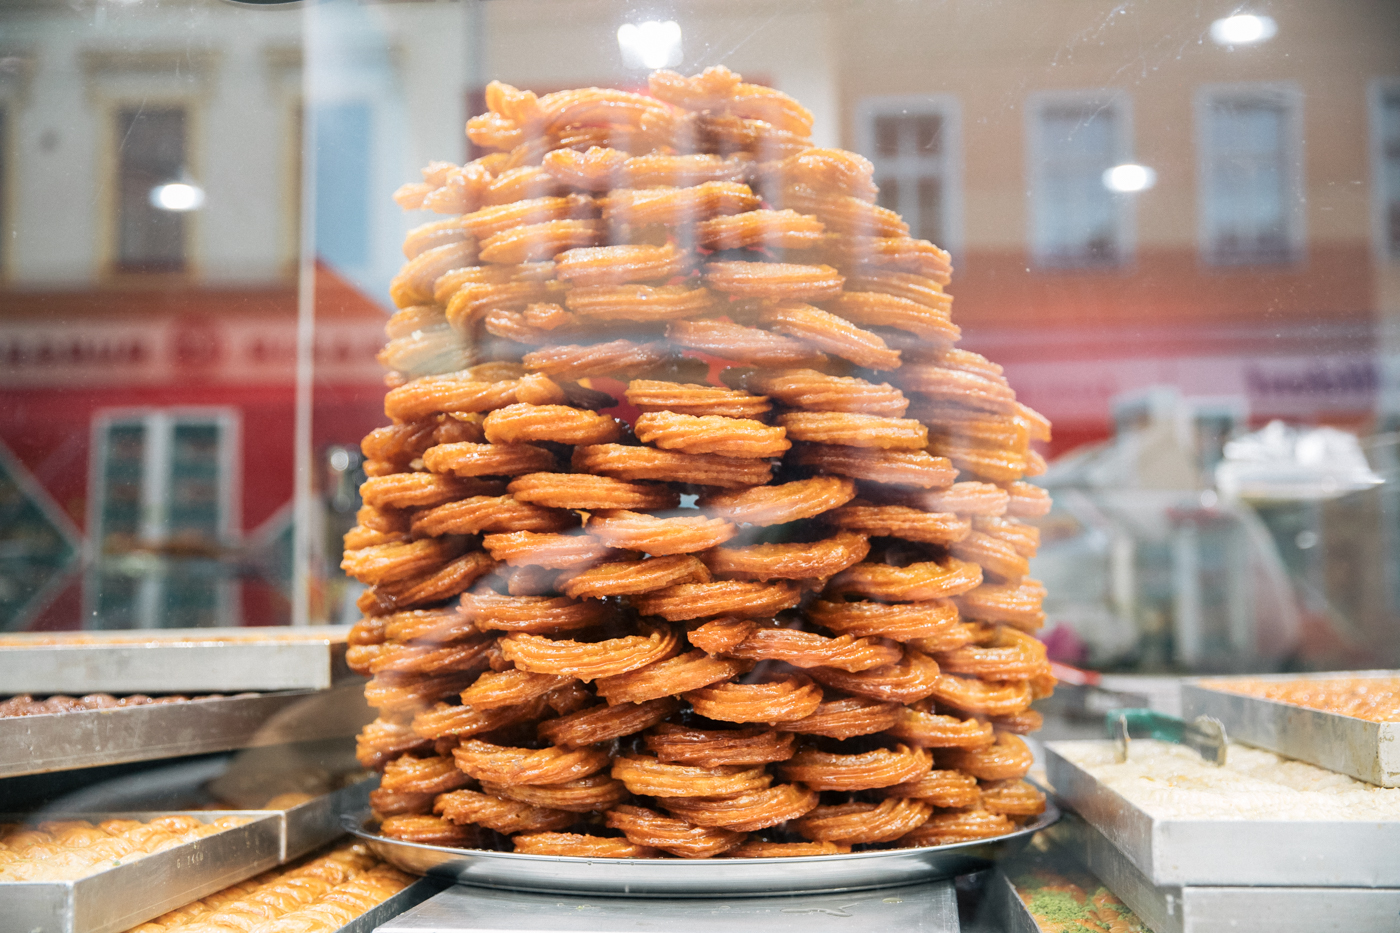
{"x": 693, "y": 534}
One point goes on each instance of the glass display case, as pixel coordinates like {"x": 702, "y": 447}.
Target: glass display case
{"x": 1174, "y": 232}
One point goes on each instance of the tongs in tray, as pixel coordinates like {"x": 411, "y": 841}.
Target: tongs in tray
{"x": 1205, "y": 734}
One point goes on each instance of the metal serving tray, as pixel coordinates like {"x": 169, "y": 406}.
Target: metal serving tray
{"x": 1367, "y": 751}
{"x": 719, "y": 877}
{"x": 62, "y": 741}
{"x": 923, "y": 908}
{"x": 384, "y": 911}
{"x": 1228, "y": 852}
{"x": 1226, "y": 909}
{"x": 119, "y": 898}
{"x": 206, "y": 660}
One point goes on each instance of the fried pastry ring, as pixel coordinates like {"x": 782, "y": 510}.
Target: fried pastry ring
{"x": 853, "y": 430}
{"x": 894, "y": 467}
{"x": 562, "y": 424}
{"x": 1012, "y": 797}
{"x": 801, "y": 649}
{"x": 423, "y": 397}
{"x": 855, "y": 823}
{"x": 589, "y": 661}
{"x": 487, "y": 459}
{"x": 648, "y": 777}
{"x": 757, "y": 848}
{"x": 928, "y": 730}
{"x": 414, "y": 283}
{"x": 533, "y": 242}
{"x": 421, "y": 490}
{"x": 1017, "y": 604}
{"x": 898, "y": 521}
{"x": 559, "y": 551}
{"x": 721, "y": 597}
{"x": 813, "y": 391}
{"x": 841, "y": 213}
{"x": 710, "y": 434}
{"x": 494, "y": 689}
{"x": 384, "y": 802}
{"x": 443, "y": 583}
{"x": 912, "y": 583}
{"x": 689, "y": 671}
{"x": 908, "y": 285}
{"x": 641, "y": 303}
{"x": 913, "y": 678}
{"x": 675, "y": 206}
{"x": 1024, "y": 538}
{"x": 742, "y": 344}
{"x": 1011, "y": 655}
{"x": 776, "y": 505}
{"x": 380, "y": 742}
{"x": 760, "y": 229}
{"x": 719, "y": 89}
{"x": 599, "y": 169}
{"x": 631, "y": 577}
{"x": 1022, "y": 723}
{"x": 430, "y": 661}
{"x": 900, "y": 253}
{"x": 831, "y": 333}
{"x": 710, "y": 748}
{"x": 505, "y": 765}
{"x": 980, "y": 698}
{"x": 384, "y": 563}
{"x": 746, "y": 811}
{"x": 958, "y": 387}
{"x": 645, "y": 463}
{"x": 595, "y": 725}
{"x": 533, "y": 615}
{"x": 499, "y": 813}
{"x": 997, "y": 465}
{"x": 964, "y": 498}
{"x": 621, "y": 264}
{"x": 476, "y": 514}
{"x": 1008, "y": 758}
{"x": 645, "y": 827}
{"x": 687, "y": 399}
{"x": 444, "y": 721}
{"x": 579, "y": 846}
{"x": 958, "y": 826}
{"x": 489, "y": 221}
{"x": 600, "y": 359}
{"x": 940, "y": 788}
{"x": 873, "y": 308}
{"x": 781, "y": 280}
{"x": 595, "y": 792}
{"x": 796, "y": 561}
{"x": 778, "y": 699}
{"x": 433, "y": 775}
{"x": 652, "y": 534}
{"x": 430, "y": 830}
{"x": 847, "y": 717}
{"x": 590, "y": 493}
{"x": 879, "y": 768}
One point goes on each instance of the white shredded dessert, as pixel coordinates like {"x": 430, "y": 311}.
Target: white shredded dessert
{"x": 1170, "y": 781}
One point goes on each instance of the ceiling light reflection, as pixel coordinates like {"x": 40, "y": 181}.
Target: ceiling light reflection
{"x": 650, "y": 45}
{"x": 1129, "y": 177}
{"x": 1243, "y": 29}
{"x": 177, "y": 196}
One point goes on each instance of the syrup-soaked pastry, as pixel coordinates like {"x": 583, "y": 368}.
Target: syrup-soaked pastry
{"x": 679, "y": 674}
{"x": 749, "y": 345}
{"x": 532, "y": 615}
{"x": 646, "y": 776}
{"x": 686, "y": 399}
{"x": 943, "y": 788}
{"x": 746, "y": 811}
{"x": 402, "y": 660}
{"x": 982, "y": 698}
{"x": 1009, "y": 757}
{"x": 430, "y": 830}
{"x": 817, "y": 559}
{"x": 595, "y": 725}
{"x": 429, "y": 395}
{"x": 590, "y": 493}
{"x": 414, "y": 283}
{"x": 431, "y": 775}
{"x": 679, "y": 837}
{"x": 773, "y": 280}
{"x": 873, "y": 308}
{"x": 856, "y": 823}
{"x": 505, "y": 765}
{"x": 400, "y": 697}
{"x": 930, "y": 730}
{"x": 711, "y": 748}
{"x": 1024, "y": 538}
{"x": 831, "y": 333}
{"x": 958, "y": 826}
{"x": 1011, "y": 655}
{"x": 777, "y": 699}
{"x": 720, "y": 597}
{"x": 632, "y": 577}
{"x": 588, "y": 661}
{"x": 758, "y": 848}
{"x": 385, "y": 563}
{"x": 718, "y": 89}
{"x": 489, "y": 221}
{"x": 494, "y": 689}
{"x": 421, "y": 490}
{"x": 476, "y": 514}
{"x": 911, "y": 583}
{"x": 760, "y": 229}
{"x": 802, "y": 649}
{"x": 854, "y": 430}
{"x": 841, "y": 213}
{"x": 957, "y": 387}
{"x": 580, "y": 846}
{"x": 583, "y": 795}
{"x": 677, "y": 206}
{"x": 912, "y": 678}
{"x": 892, "y": 467}
{"x": 504, "y": 815}
{"x": 775, "y": 505}
{"x": 810, "y": 390}
{"x": 559, "y": 551}
{"x": 646, "y": 463}
{"x": 896, "y": 253}
{"x": 433, "y": 587}
{"x": 534, "y": 242}
{"x": 617, "y": 357}
{"x": 661, "y": 536}
{"x": 443, "y": 721}
{"x": 879, "y": 768}
{"x": 711, "y": 434}
{"x": 1012, "y": 797}
{"x": 846, "y": 717}
{"x": 440, "y": 626}
{"x": 621, "y": 264}
{"x": 488, "y": 459}
{"x": 1022, "y": 723}
{"x": 898, "y": 521}
{"x": 1027, "y": 501}
{"x": 562, "y": 424}
{"x": 1017, "y": 604}
{"x": 640, "y": 303}
{"x": 601, "y": 168}
{"x": 383, "y": 741}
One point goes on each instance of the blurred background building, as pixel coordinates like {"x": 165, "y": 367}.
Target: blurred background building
{"x": 1173, "y": 225}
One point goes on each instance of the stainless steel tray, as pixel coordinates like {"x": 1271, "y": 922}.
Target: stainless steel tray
{"x": 922, "y": 908}
{"x": 313, "y": 824}
{"x": 121, "y": 897}
{"x": 719, "y": 877}
{"x": 1229, "y": 852}
{"x": 384, "y": 911}
{"x": 1367, "y": 751}
{"x": 1227, "y": 908}
{"x": 62, "y": 741}
{"x": 209, "y": 660}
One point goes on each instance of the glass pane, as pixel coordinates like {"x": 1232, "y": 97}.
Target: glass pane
{"x": 1076, "y": 214}
{"x": 150, "y": 221}
{"x": 928, "y": 134}
{"x": 888, "y": 131}
{"x": 1249, "y": 181}
{"x": 931, "y": 210}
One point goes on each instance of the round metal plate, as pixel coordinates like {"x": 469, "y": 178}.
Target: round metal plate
{"x": 717, "y": 877}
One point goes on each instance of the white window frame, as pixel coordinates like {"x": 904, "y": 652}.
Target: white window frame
{"x": 1378, "y": 90}
{"x": 949, "y": 164}
{"x": 1125, "y": 236}
{"x": 160, "y": 424}
{"x": 1290, "y": 95}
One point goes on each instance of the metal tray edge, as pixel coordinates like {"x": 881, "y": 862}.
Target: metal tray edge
{"x": 402, "y": 902}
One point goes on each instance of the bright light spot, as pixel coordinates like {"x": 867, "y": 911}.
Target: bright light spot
{"x": 1128, "y": 178}
{"x": 651, "y": 44}
{"x": 1306, "y": 540}
{"x": 1243, "y": 29}
{"x": 177, "y": 196}
{"x": 340, "y": 460}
